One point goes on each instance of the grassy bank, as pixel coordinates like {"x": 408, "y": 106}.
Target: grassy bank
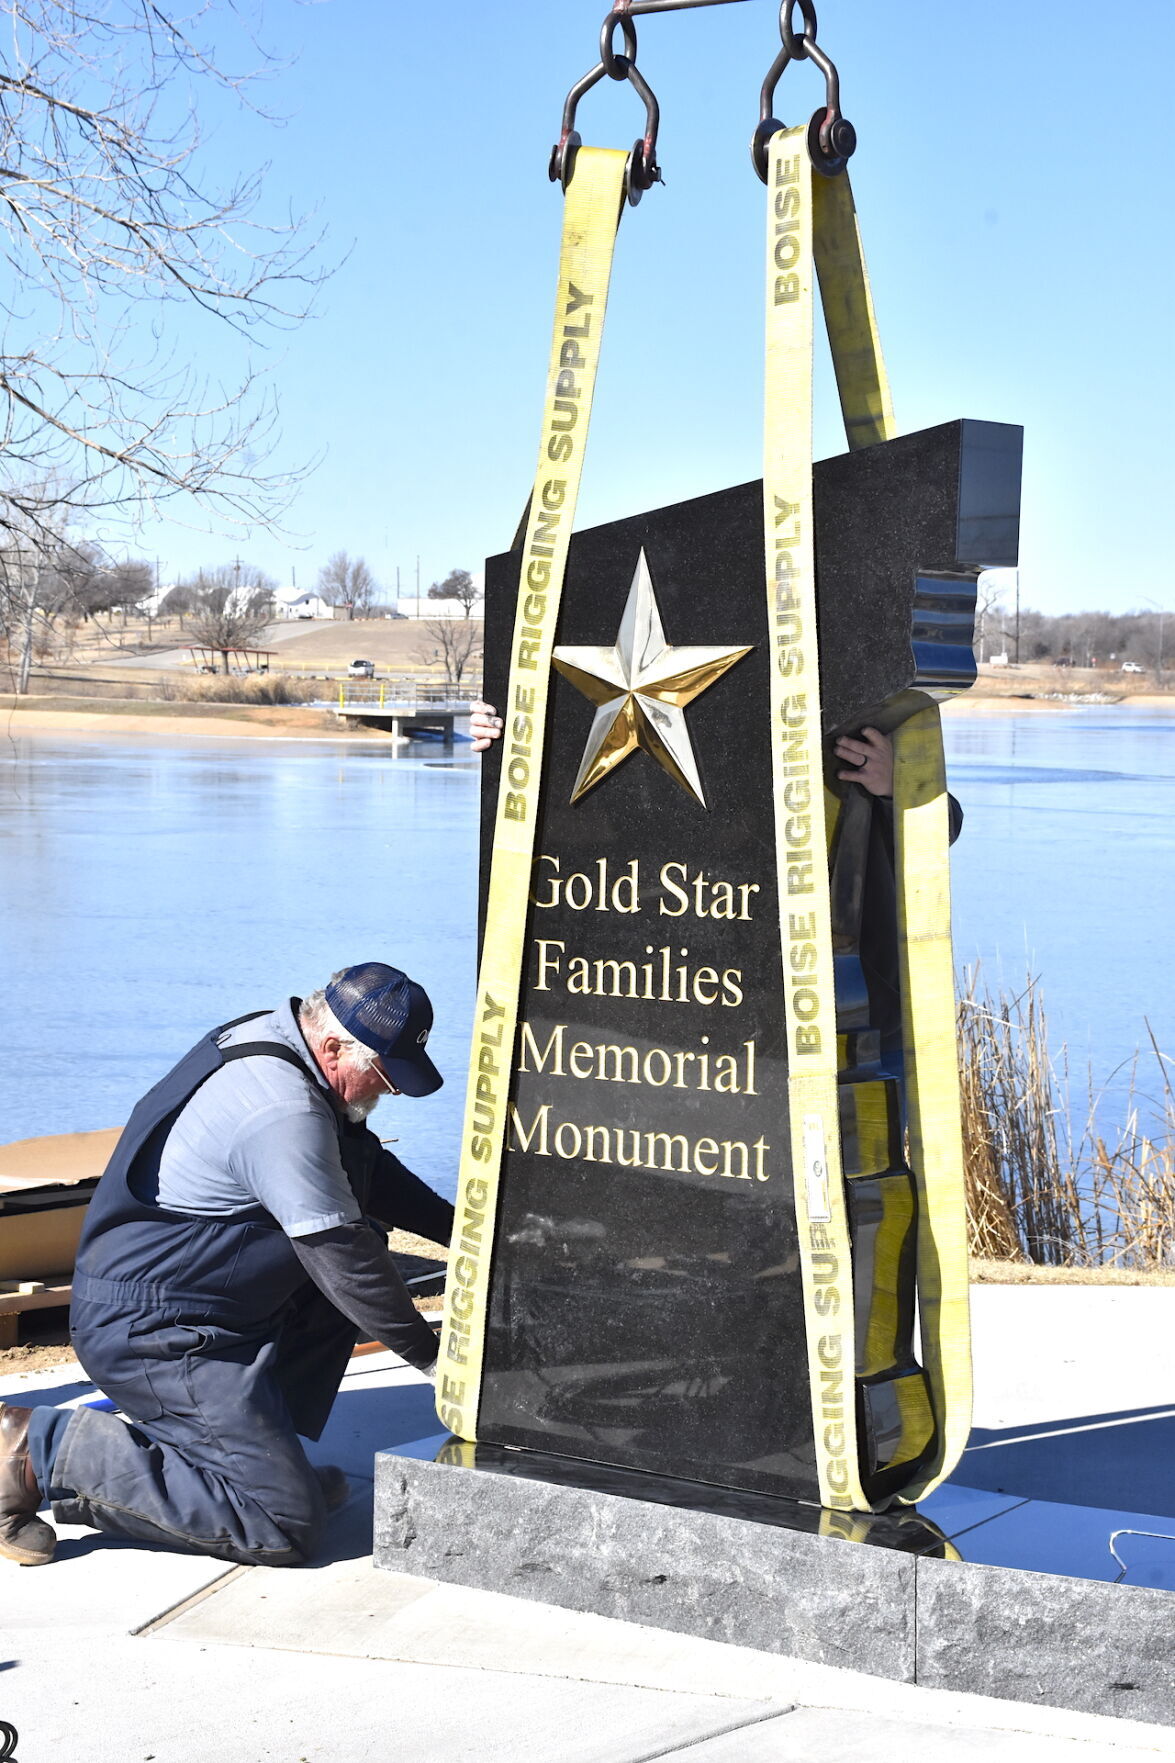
{"x": 1021, "y": 1273}
{"x": 1043, "y": 683}
{"x": 205, "y": 706}
{"x": 181, "y": 719}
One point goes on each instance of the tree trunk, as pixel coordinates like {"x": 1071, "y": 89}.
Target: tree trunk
{"x": 26, "y": 657}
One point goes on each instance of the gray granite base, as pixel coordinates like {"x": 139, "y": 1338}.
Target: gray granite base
{"x": 752, "y": 1585}
{"x": 1034, "y": 1637}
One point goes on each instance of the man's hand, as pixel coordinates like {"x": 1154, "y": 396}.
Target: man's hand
{"x": 485, "y": 725}
{"x": 870, "y": 754}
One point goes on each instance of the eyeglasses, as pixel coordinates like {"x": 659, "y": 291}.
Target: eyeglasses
{"x": 383, "y": 1077}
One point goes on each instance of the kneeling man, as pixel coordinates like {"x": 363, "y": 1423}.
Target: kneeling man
{"x": 225, "y": 1271}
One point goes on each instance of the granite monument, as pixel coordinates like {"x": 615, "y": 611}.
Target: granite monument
{"x": 644, "y": 1304}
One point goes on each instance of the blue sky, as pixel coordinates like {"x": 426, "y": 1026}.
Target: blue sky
{"x": 1013, "y": 180}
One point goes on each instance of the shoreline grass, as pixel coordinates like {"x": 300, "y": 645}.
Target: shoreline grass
{"x": 1046, "y": 1188}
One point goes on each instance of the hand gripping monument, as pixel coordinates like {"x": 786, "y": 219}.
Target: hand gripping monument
{"x": 710, "y": 1248}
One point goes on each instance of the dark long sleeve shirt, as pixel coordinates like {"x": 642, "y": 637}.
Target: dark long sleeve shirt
{"x": 352, "y": 1266}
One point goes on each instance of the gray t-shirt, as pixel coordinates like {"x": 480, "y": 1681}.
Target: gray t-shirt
{"x": 260, "y": 1132}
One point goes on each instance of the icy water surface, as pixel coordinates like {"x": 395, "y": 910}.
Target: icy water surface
{"x": 151, "y": 888}
{"x": 1066, "y": 868}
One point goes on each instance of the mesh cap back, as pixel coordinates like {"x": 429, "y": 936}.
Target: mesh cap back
{"x": 388, "y": 1012}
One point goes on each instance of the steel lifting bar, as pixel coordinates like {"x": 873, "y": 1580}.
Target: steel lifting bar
{"x": 632, "y": 7}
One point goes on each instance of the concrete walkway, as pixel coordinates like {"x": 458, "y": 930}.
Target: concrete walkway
{"x": 116, "y": 1653}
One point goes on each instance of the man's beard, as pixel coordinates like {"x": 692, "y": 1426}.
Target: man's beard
{"x": 357, "y": 1112}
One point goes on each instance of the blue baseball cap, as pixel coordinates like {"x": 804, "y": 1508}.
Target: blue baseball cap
{"x": 391, "y": 1014}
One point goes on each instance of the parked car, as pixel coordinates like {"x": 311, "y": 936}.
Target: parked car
{"x": 362, "y": 670}
{"x": 1132, "y": 667}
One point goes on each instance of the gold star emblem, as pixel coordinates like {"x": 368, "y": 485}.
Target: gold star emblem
{"x": 640, "y": 688}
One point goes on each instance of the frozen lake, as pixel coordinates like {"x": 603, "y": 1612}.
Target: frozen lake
{"x": 1066, "y": 869}
{"x": 150, "y": 888}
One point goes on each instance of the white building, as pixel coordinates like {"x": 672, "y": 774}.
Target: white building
{"x": 289, "y": 603}
{"x": 149, "y": 607}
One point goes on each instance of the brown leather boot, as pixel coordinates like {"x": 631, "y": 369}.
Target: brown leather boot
{"x": 23, "y": 1536}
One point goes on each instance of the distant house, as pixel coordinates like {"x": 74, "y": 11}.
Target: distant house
{"x": 288, "y": 603}
{"x": 149, "y": 607}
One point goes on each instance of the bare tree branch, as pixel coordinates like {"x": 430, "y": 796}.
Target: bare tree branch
{"x": 48, "y": 578}
{"x": 103, "y": 211}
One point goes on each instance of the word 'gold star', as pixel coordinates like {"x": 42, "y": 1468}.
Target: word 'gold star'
{"x": 640, "y": 688}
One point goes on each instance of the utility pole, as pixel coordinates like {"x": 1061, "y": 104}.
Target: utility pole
{"x": 1017, "y": 618}
{"x": 418, "y": 587}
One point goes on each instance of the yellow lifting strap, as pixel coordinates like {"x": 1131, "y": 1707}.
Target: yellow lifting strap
{"x": 921, "y": 835}
{"x": 923, "y": 883}
{"x": 797, "y": 763}
{"x": 811, "y": 221}
{"x": 849, "y": 318}
{"x": 591, "y": 217}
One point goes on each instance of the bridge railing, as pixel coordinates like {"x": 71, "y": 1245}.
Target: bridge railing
{"x": 406, "y": 694}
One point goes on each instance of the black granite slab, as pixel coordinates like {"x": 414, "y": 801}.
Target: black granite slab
{"x": 637, "y": 1300}
{"x": 903, "y": 1528}
{"x": 645, "y": 1305}
{"x": 902, "y": 530}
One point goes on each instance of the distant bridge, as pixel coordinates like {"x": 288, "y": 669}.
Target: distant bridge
{"x": 405, "y": 707}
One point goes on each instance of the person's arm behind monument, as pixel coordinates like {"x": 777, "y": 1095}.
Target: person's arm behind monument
{"x": 869, "y": 756}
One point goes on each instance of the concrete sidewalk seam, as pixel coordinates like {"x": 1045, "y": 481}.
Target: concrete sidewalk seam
{"x": 268, "y": 1645}
{"x": 709, "y": 1737}
{"x": 163, "y": 1617}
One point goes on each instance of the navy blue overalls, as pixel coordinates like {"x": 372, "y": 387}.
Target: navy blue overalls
{"x": 207, "y": 1332}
